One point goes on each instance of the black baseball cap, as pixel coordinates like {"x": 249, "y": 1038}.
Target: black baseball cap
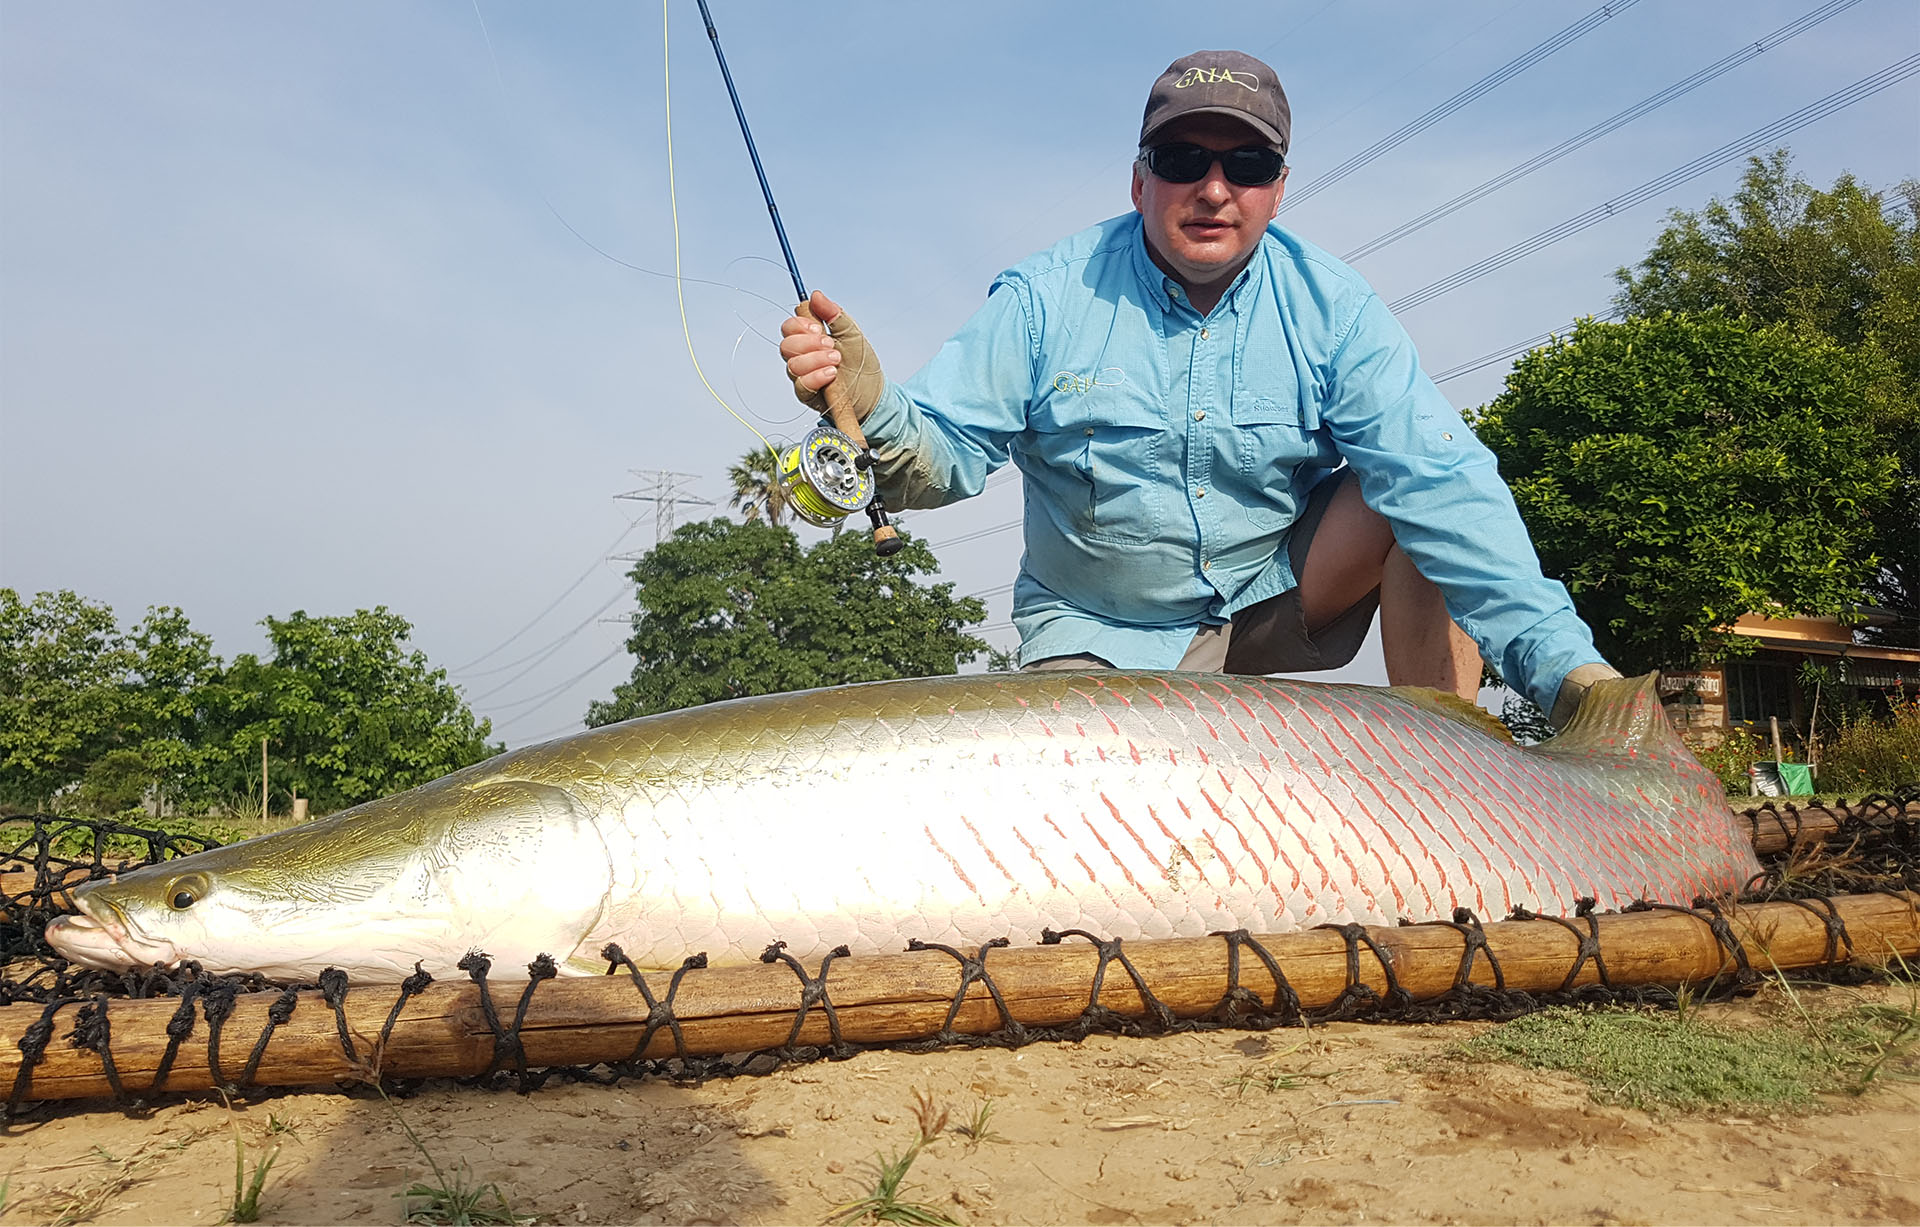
{"x": 1220, "y": 83}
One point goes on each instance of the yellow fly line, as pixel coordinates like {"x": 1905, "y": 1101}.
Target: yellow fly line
{"x": 821, "y": 472}
{"x": 673, "y": 202}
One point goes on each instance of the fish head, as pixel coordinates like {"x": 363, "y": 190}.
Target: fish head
{"x": 510, "y": 867}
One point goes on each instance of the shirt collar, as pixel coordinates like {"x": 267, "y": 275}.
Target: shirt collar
{"x": 1165, "y": 291}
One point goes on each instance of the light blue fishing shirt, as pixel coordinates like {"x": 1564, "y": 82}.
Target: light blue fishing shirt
{"x": 1165, "y": 454}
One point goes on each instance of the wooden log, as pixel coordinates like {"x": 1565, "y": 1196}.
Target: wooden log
{"x": 443, "y": 1031}
{"x": 1776, "y": 832}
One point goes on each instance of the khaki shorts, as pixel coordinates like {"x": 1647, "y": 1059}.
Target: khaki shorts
{"x": 1270, "y": 637}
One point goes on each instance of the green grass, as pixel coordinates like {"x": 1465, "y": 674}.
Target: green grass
{"x": 459, "y": 1201}
{"x": 883, "y": 1204}
{"x": 1868, "y": 1042}
{"x": 454, "y": 1197}
{"x": 1683, "y": 1063}
{"x": 978, "y": 1128}
{"x": 246, "y": 1189}
{"x": 245, "y": 1206}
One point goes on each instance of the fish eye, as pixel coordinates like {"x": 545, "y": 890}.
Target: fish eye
{"x": 187, "y": 891}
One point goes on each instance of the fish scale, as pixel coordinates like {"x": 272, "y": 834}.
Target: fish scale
{"x": 958, "y": 810}
{"x": 1150, "y": 805}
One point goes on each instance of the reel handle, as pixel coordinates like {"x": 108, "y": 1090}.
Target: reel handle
{"x": 846, "y": 419}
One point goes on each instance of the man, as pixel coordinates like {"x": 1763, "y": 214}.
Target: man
{"x": 1231, "y": 457}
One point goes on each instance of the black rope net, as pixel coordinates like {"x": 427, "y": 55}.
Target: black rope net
{"x": 1870, "y": 844}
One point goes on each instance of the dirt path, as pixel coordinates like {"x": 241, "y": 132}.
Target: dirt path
{"x": 1347, "y": 1123}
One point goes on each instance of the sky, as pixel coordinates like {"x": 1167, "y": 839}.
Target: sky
{"x": 325, "y": 306}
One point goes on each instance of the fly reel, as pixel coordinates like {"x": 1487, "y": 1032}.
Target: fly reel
{"x": 823, "y": 480}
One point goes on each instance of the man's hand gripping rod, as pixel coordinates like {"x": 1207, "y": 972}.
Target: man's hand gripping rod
{"x": 846, "y": 419}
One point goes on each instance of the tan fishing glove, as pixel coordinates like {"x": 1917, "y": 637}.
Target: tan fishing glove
{"x": 859, "y": 375}
{"x": 1575, "y": 689}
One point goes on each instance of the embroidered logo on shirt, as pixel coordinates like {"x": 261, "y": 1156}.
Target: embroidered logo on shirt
{"x": 1078, "y": 385}
{"x": 1215, "y": 76}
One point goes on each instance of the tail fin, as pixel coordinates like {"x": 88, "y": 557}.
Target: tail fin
{"x": 1619, "y": 717}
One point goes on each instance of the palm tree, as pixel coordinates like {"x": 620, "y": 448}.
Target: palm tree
{"x": 757, "y": 487}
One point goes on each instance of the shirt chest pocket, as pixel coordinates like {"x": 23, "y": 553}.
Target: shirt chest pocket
{"x": 1101, "y": 447}
{"x": 1274, "y": 427}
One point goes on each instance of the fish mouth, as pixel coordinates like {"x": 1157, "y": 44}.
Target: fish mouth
{"x": 98, "y": 937}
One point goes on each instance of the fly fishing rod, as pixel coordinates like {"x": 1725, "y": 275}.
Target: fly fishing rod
{"x": 829, "y": 474}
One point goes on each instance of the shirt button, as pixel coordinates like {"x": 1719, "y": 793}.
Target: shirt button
{"x": 1200, "y": 492}
{"x": 1173, "y": 291}
{"x": 1206, "y": 564}
{"x": 1199, "y": 415}
{"x": 1447, "y": 435}
{"x": 1204, "y": 334}
{"x": 1089, "y": 430}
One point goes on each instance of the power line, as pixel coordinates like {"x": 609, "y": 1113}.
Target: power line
{"x": 1644, "y": 107}
{"x": 559, "y": 639}
{"x": 568, "y": 727}
{"x": 977, "y": 534}
{"x": 1516, "y": 349}
{"x": 567, "y": 592}
{"x": 1864, "y": 88}
{"x": 1443, "y": 51}
{"x": 997, "y": 590}
{"x": 1499, "y": 76}
{"x": 547, "y": 696}
{"x": 541, "y": 657}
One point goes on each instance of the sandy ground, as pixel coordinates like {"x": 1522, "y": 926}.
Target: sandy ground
{"x": 1347, "y": 1123}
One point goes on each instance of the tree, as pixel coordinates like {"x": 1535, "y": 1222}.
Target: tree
{"x": 757, "y": 487}
{"x": 349, "y": 713}
{"x": 172, "y": 670}
{"x": 1843, "y": 264}
{"x": 728, "y": 610}
{"x": 1679, "y": 471}
{"x": 63, "y": 702}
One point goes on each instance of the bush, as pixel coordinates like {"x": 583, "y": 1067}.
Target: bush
{"x": 1729, "y": 757}
{"x": 116, "y": 783}
{"x": 1869, "y": 755}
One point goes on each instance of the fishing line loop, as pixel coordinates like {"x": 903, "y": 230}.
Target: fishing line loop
{"x": 1358, "y": 997}
{"x": 1110, "y": 950}
{"x": 1837, "y": 934}
{"x": 1588, "y": 945}
{"x": 1240, "y": 1005}
{"x": 333, "y": 990}
{"x": 93, "y": 1032}
{"x": 973, "y": 970}
{"x": 659, "y": 1013}
{"x": 179, "y": 1027}
{"x": 813, "y": 992}
{"x": 673, "y": 204}
{"x": 33, "y": 1050}
{"x": 277, "y": 1015}
{"x": 217, "y": 1004}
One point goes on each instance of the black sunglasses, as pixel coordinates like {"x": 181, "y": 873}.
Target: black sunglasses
{"x": 1184, "y": 162}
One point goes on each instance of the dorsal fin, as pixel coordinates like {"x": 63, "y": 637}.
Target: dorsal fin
{"x": 1619, "y": 716}
{"x": 1453, "y": 707}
